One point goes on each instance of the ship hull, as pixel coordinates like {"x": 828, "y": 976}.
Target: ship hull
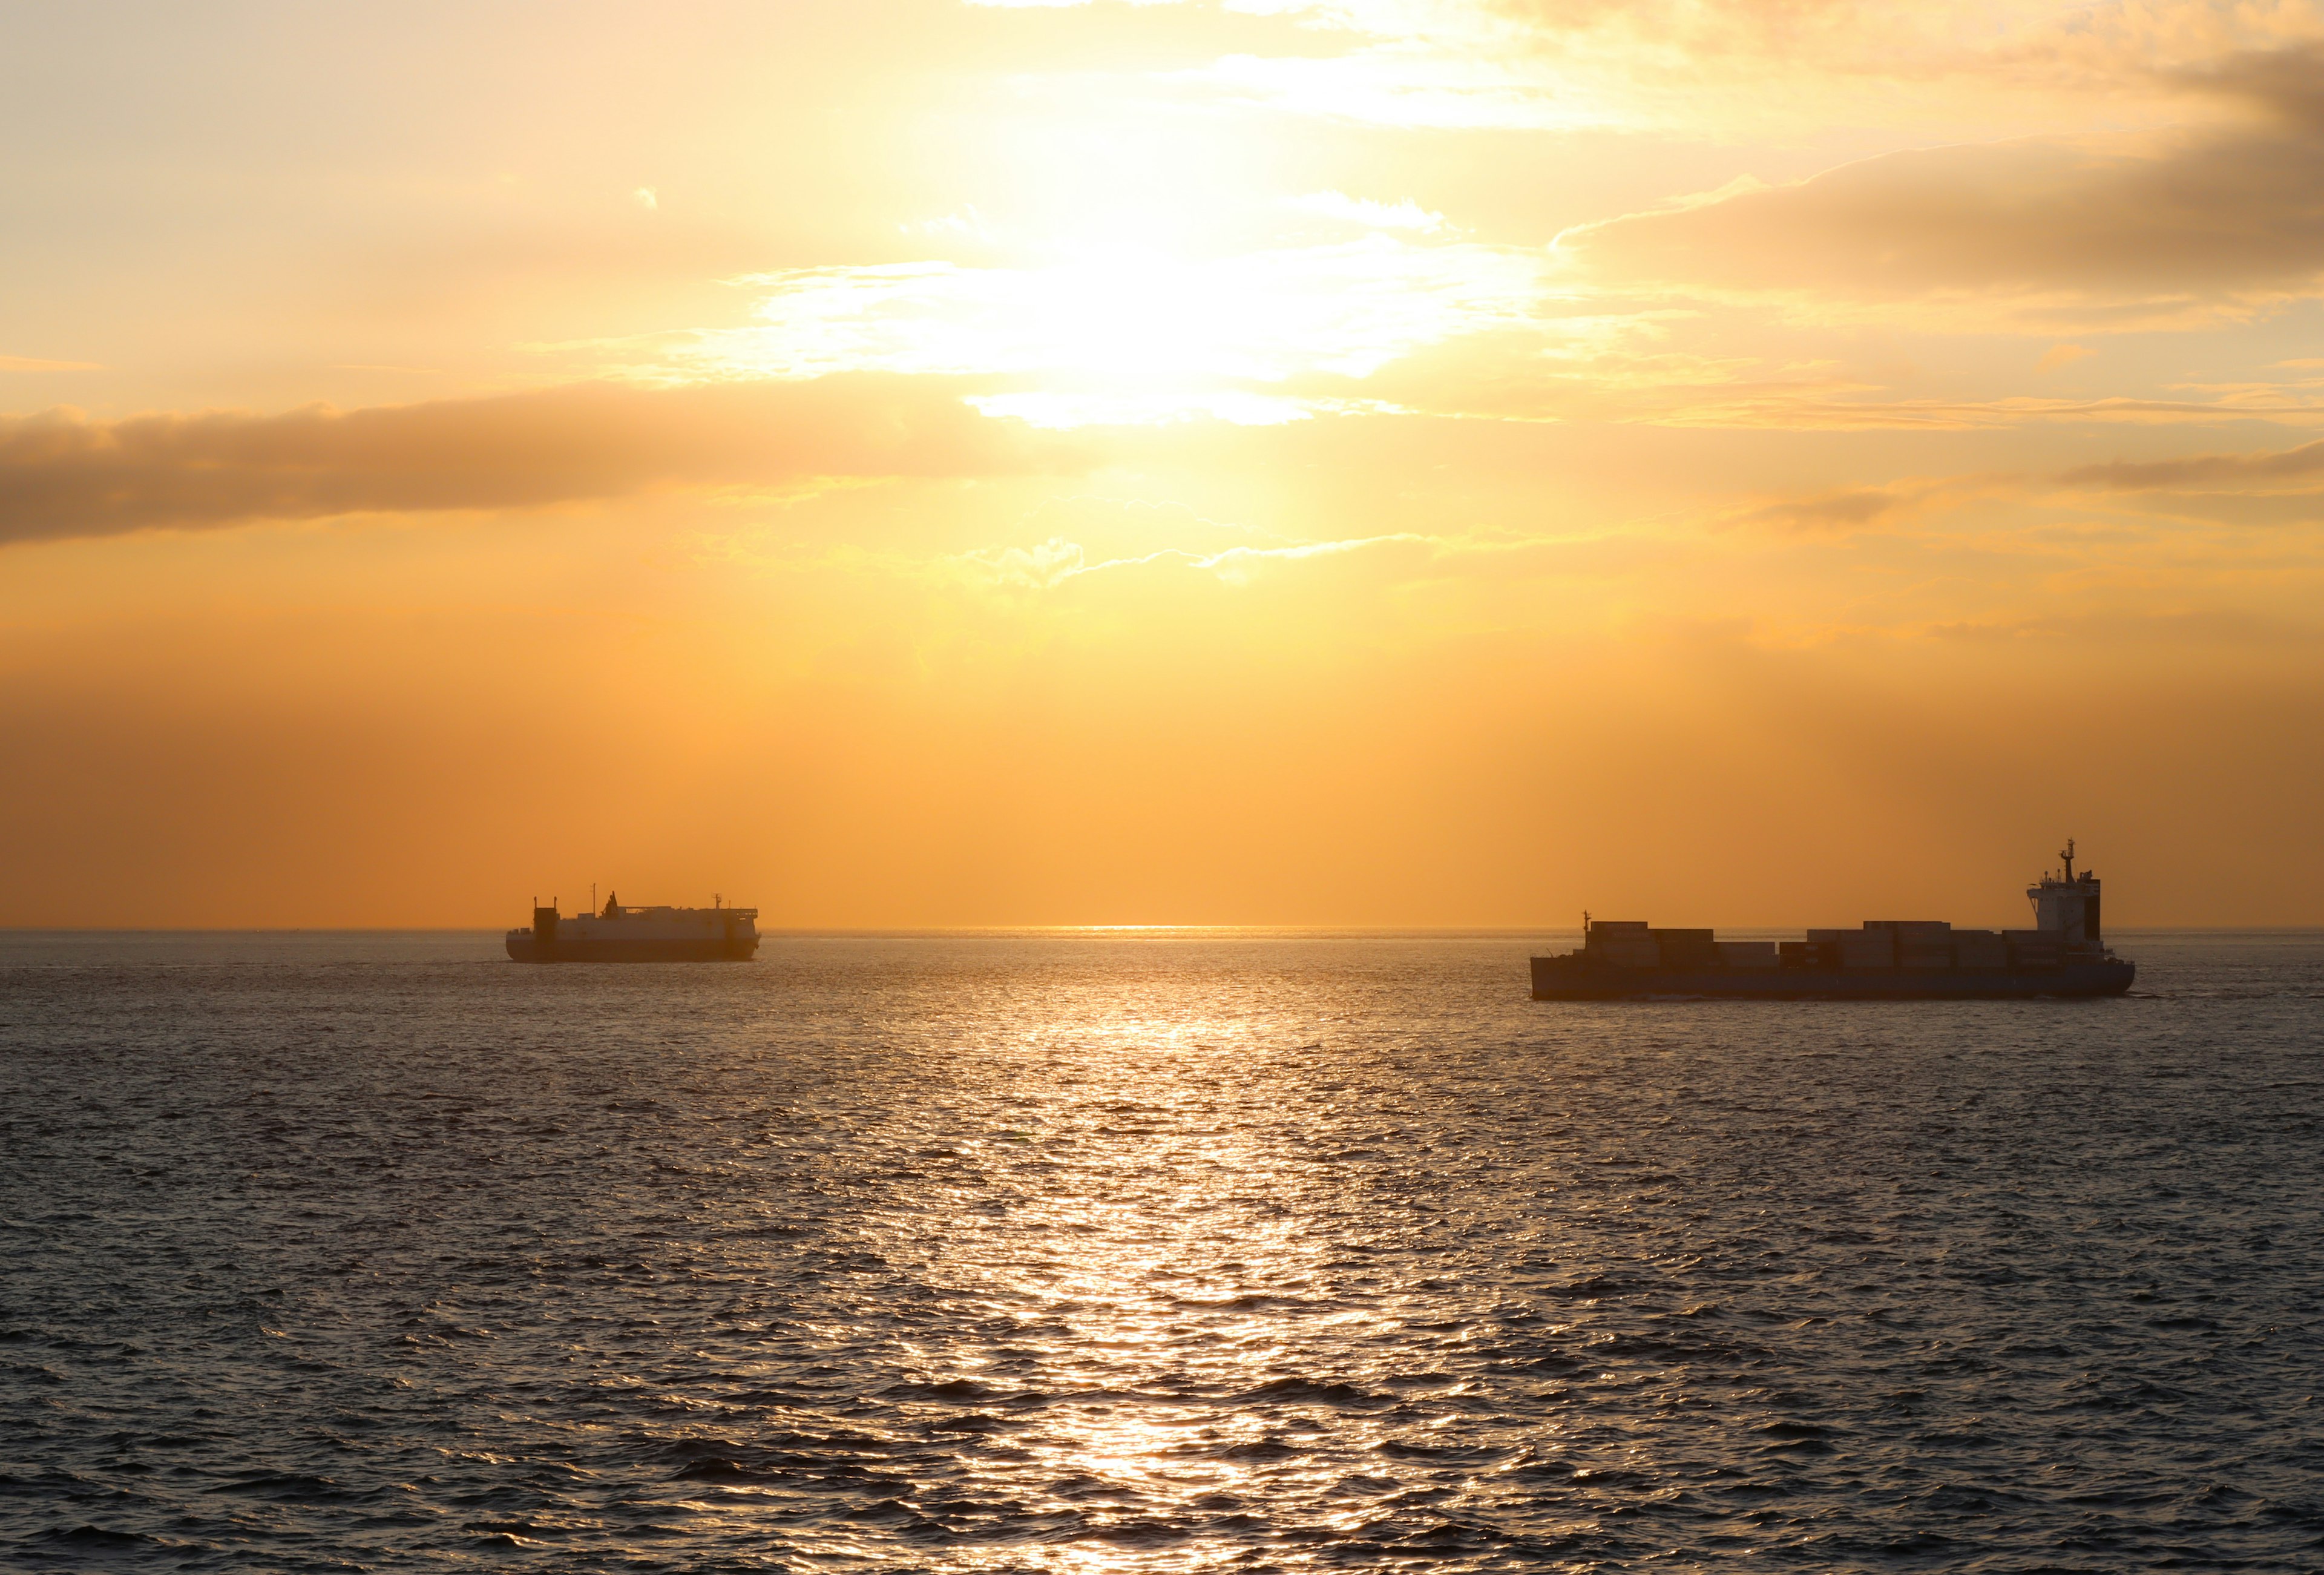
{"x": 523, "y": 947}
{"x": 1579, "y": 978}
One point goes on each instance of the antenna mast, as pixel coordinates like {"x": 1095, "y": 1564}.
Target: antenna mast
{"x": 2069, "y": 856}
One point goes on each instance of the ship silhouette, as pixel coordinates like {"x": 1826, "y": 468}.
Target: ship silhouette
{"x": 716, "y": 934}
{"x": 2063, "y": 955}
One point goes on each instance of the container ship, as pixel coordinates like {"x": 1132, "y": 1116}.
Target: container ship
{"x": 638, "y": 934}
{"x": 2063, "y": 955}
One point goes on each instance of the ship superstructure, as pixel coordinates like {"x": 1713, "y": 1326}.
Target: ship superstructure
{"x": 619, "y": 934}
{"x": 2063, "y": 955}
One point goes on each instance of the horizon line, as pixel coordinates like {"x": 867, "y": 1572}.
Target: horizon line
{"x": 1125, "y": 932}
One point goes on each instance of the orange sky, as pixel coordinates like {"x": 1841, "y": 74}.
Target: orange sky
{"x": 1372, "y": 462}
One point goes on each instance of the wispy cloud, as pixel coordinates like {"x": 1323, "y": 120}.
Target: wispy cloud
{"x": 1037, "y": 567}
{"x": 1062, "y": 409}
{"x": 2254, "y": 471}
{"x": 1128, "y": 324}
{"x": 1851, "y": 509}
{"x": 63, "y": 474}
{"x": 1052, "y": 562}
{"x": 2003, "y": 66}
{"x": 2261, "y": 489}
{"x": 1371, "y": 214}
{"x": 34, "y": 363}
{"x": 2219, "y": 214}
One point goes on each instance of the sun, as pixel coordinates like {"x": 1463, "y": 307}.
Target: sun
{"x": 1121, "y": 264}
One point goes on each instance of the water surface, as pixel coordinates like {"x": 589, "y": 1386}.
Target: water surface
{"x": 1246, "y": 1252}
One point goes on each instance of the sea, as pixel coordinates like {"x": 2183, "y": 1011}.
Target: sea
{"x": 1145, "y": 1251}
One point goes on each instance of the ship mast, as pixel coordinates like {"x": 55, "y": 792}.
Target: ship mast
{"x": 2069, "y": 856}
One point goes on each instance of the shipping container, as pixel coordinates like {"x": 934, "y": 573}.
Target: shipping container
{"x": 1979, "y": 949}
{"x": 1872, "y": 949}
{"x": 2034, "y": 948}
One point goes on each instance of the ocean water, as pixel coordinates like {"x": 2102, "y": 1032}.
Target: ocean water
{"x": 1146, "y": 1253}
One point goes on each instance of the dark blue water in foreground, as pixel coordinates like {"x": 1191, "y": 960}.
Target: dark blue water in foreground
{"x": 1092, "y": 1255}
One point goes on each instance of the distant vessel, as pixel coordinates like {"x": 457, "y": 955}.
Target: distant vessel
{"x": 2064, "y": 954}
{"x": 638, "y": 934}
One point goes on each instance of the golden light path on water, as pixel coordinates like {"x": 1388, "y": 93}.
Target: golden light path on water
{"x": 1162, "y": 1249}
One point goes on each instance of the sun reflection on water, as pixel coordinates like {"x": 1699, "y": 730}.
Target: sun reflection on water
{"x": 1147, "y": 1250}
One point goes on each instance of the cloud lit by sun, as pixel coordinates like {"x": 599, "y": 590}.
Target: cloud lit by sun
{"x": 1129, "y": 324}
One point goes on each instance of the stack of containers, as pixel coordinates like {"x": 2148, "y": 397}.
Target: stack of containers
{"x": 2034, "y": 948}
{"x": 1873, "y": 946}
{"x": 1747, "y": 953}
{"x": 1687, "y": 948}
{"x": 1924, "y": 943}
{"x": 1625, "y": 944}
{"x": 1982, "y": 949}
{"x": 1831, "y": 946}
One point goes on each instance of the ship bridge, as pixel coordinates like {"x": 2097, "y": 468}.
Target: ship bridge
{"x": 2067, "y": 903}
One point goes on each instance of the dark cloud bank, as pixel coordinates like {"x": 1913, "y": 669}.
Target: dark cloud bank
{"x": 62, "y": 474}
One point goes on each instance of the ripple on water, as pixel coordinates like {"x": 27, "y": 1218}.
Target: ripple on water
{"x": 999, "y": 1253}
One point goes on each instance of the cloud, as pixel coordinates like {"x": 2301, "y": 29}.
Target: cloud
{"x": 1112, "y": 314}
{"x": 1035, "y": 568}
{"x": 2004, "y": 67}
{"x": 1052, "y": 562}
{"x": 1064, "y": 408}
{"x": 1905, "y": 40}
{"x": 2260, "y": 489}
{"x": 2257, "y": 510}
{"x": 2246, "y": 489}
{"x": 33, "y": 364}
{"x": 1853, "y": 509}
{"x": 2058, "y": 356}
{"x": 1848, "y": 511}
{"x": 1338, "y": 206}
{"x": 2231, "y": 209}
{"x": 62, "y": 474}
{"x": 2230, "y": 471}
{"x": 2287, "y": 85}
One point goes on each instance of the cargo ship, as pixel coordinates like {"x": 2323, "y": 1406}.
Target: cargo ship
{"x": 716, "y": 934}
{"x": 2064, "y": 954}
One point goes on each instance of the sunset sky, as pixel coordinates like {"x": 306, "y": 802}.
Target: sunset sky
{"x": 1345, "y": 462}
